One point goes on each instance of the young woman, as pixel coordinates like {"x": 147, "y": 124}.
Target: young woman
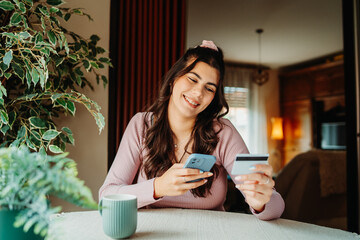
{"x": 187, "y": 118}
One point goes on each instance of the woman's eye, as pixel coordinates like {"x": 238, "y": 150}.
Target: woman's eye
{"x": 210, "y": 90}
{"x": 191, "y": 79}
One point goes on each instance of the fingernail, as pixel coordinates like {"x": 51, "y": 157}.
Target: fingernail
{"x": 205, "y": 181}
{"x": 238, "y": 178}
{"x": 252, "y": 167}
{"x": 210, "y": 174}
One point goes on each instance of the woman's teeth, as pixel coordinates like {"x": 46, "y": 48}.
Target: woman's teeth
{"x": 193, "y": 103}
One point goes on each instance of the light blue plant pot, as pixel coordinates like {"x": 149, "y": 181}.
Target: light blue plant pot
{"x": 8, "y": 231}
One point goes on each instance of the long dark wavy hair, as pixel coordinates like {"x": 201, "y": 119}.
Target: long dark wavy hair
{"x": 158, "y": 134}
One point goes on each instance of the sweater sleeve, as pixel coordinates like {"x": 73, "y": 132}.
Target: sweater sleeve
{"x": 232, "y": 144}
{"x": 126, "y": 164}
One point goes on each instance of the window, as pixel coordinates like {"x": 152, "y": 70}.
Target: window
{"x": 246, "y": 105}
{"x": 238, "y": 100}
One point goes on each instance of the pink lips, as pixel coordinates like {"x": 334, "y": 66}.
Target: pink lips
{"x": 192, "y": 103}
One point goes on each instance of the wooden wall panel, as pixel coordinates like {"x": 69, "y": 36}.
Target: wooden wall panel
{"x": 299, "y": 90}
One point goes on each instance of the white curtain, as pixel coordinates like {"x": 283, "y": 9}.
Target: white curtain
{"x": 257, "y": 131}
{"x": 258, "y": 128}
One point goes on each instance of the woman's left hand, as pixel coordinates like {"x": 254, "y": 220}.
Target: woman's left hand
{"x": 257, "y": 187}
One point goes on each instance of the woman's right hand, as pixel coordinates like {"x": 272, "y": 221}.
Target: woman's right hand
{"x": 175, "y": 181}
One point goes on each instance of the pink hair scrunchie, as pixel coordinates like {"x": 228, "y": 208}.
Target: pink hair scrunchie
{"x": 209, "y": 44}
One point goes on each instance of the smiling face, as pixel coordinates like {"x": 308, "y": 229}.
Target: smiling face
{"x": 194, "y": 91}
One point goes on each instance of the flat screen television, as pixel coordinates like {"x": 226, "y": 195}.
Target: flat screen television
{"x": 333, "y": 135}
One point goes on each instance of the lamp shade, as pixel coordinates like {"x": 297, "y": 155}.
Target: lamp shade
{"x": 277, "y": 129}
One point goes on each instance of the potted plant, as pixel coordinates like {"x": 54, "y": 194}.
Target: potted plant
{"x": 42, "y": 69}
{"x": 27, "y": 179}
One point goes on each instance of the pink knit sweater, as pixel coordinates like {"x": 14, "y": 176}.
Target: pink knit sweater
{"x": 130, "y": 155}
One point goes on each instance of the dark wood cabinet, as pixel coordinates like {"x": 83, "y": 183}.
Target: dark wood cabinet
{"x": 301, "y": 91}
{"x": 328, "y": 82}
{"x": 297, "y": 128}
{"x": 295, "y": 87}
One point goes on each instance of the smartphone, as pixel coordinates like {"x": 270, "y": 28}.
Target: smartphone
{"x": 203, "y": 162}
{"x": 243, "y": 162}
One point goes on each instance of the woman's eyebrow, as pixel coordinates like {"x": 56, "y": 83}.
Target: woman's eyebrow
{"x": 213, "y": 84}
{"x": 197, "y": 75}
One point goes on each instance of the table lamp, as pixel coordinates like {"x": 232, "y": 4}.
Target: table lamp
{"x": 277, "y": 129}
{"x": 276, "y": 134}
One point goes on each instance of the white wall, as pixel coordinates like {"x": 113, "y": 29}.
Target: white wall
{"x": 272, "y": 109}
{"x": 90, "y": 150}
{"x": 294, "y": 31}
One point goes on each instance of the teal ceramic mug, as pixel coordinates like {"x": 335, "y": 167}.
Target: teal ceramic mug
{"x": 119, "y": 215}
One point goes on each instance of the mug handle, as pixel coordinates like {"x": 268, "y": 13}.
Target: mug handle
{"x": 100, "y": 207}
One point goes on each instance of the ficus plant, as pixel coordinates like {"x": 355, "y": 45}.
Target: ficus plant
{"x": 42, "y": 68}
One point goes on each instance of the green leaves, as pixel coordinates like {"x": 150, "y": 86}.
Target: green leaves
{"x": 22, "y": 7}
{"x": 6, "y": 5}
{"x": 50, "y": 134}
{"x": 18, "y": 70}
{"x": 39, "y": 39}
{"x": 44, "y": 10}
{"x": 35, "y": 76}
{"x": 54, "y": 10}
{"x": 12, "y": 118}
{"x": 3, "y": 92}
{"x": 54, "y": 2}
{"x": 67, "y": 17}
{"x": 4, "y": 117}
{"x": 86, "y": 64}
{"x": 38, "y": 123}
{"x": 100, "y": 121}
{"x": 8, "y": 57}
{"x": 55, "y": 149}
{"x": 28, "y": 179}
{"x": 15, "y": 19}
{"x": 52, "y": 37}
{"x": 41, "y": 134}
{"x": 21, "y": 133}
{"x": 42, "y": 67}
{"x": 24, "y": 35}
{"x": 71, "y": 107}
{"x": 69, "y": 134}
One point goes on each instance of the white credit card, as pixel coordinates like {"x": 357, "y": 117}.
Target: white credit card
{"x": 243, "y": 163}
